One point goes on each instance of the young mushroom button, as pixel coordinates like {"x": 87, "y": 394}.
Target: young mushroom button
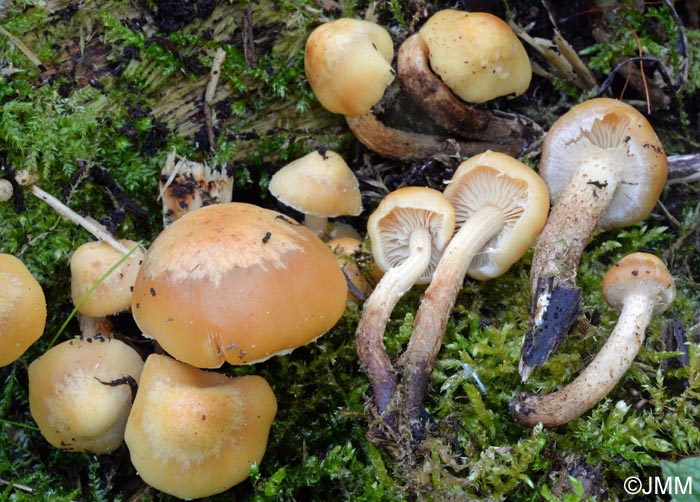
{"x": 605, "y": 168}
{"x": 501, "y": 206}
{"x": 321, "y": 185}
{"x": 640, "y": 287}
{"x": 408, "y": 231}
{"x": 22, "y": 309}
{"x": 194, "y": 433}
{"x": 239, "y": 283}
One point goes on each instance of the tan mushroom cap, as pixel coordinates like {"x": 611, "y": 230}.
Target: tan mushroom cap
{"x": 320, "y": 183}
{"x": 399, "y": 213}
{"x": 194, "y": 433}
{"x": 608, "y": 127}
{"x": 236, "y": 282}
{"x": 89, "y": 263}
{"x": 71, "y": 398}
{"x": 22, "y": 309}
{"x": 348, "y": 64}
{"x": 639, "y": 273}
{"x": 498, "y": 180}
{"x": 476, "y": 54}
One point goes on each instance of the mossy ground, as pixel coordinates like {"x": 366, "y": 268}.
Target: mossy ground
{"x": 121, "y": 84}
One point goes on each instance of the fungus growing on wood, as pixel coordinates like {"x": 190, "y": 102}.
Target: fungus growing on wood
{"x": 469, "y": 57}
{"x": 605, "y": 168}
{"x": 348, "y": 66}
{"x": 80, "y": 393}
{"x": 409, "y": 229}
{"x": 501, "y": 206}
{"x": 639, "y": 286}
{"x": 194, "y": 433}
{"x": 321, "y": 185}
{"x": 235, "y": 282}
{"x": 22, "y": 309}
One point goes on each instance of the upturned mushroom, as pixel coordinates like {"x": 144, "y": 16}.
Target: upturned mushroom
{"x": 639, "y": 286}
{"x": 348, "y": 66}
{"x": 193, "y": 433}
{"x": 408, "y": 230}
{"x": 605, "y": 168}
{"x": 501, "y": 206}
{"x": 22, "y": 309}
{"x": 320, "y": 185}
{"x": 460, "y": 58}
{"x": 80, "y": 393}
{"x": 239, "y": 283}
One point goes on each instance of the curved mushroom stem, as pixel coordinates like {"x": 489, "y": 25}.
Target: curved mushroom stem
{"x": 569, "y": 227}
{"x": 599, "y": 377}
{"x": 450, "y": 112}
{"x": 404, "y": 145}
{"x": 417, "y": 361}
{"x": 377, "y": 310}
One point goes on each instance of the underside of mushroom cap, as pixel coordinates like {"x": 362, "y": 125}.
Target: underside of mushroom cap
{"x": 617, "y": 134}
{"x": 494, "y": 179}
{"x": 403, "y": 211}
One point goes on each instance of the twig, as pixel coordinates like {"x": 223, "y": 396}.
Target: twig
{"x": 209, "y": 94}
{"x": 20, "y": 45}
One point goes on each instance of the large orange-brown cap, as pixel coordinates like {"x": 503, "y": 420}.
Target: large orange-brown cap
{"x": 320, "y": 183}
{"x": 476, "y": 54}
{"x": 611, "y": 128}
{"x": 89, "y": 263}
{"x": 22, "y": 309}
{"x": 79, "y": 395}
{"x": 400, "y": 213}
{"x": 194, "y": 433}
{"x": 639, "y": 274}
{"x": 348, "y": 64}
{"x": 236, "y": 282}
{"x": 498, "y": 180}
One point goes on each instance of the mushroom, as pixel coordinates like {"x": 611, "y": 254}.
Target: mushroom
{"x": 193, "y": 433}
{"x": 605, "y": 168}
{"x": 469, "y": 57}
{"x": 348, "y": 66}
{"x": 408, "y": 231}
{"x": 321, "y": 185}
{"x": 354, "y": 262}
{"x": 501, "y": 206}
{"x": 80, "y": 393}
{"x": 235, "y": 282}
{"x": 639, "y": 286}
{"x": 22, "y": 309}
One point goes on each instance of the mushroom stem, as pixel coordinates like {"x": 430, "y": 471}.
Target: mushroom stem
{"x": 571, "y": 222}
{"x": 599, "y": 377}
{"x": 405, "y": 145}
{"x": 377, "y": 310}
{"x": 417, "y": 361}
{"x": 317, "y": 224}
{"x": 450, "y": 112}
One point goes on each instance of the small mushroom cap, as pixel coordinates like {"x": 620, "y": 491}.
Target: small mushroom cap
{"x": 348, "y": 65}
{"x": 608, "y": 128}
{"x": 76, "y": 396}
{"x": 319, "y": 183}
{"x": 400, "y": 213}
{"x": 476, "y": 54}
{"x": 194, "y": 433}
{"x": 496, "y": 179}
{"x": 349, "y": 252}
{"x": 236, "y": 282}
{"x": 89, "y": 263}
{"x": 639, "y": 274}
{"x": 22, "y": 309}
